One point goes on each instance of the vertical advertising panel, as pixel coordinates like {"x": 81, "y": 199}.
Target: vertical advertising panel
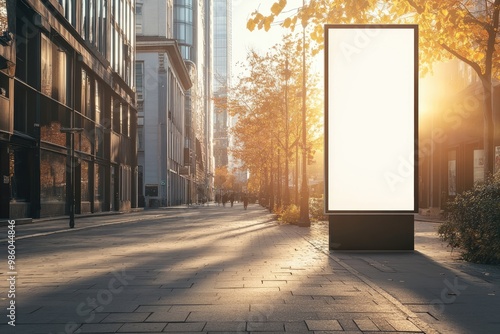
{"x": 371, "y": 89}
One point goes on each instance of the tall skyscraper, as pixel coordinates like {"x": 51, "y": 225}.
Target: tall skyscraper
{"x": 222, "y": 17}
{"x": 191, "y": 21}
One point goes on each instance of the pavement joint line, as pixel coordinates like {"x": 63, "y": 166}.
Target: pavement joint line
{"x": 410, "y": 315}
{"x": 81, "y": 228}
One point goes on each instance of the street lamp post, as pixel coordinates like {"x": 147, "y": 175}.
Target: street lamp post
{"x": 71, "y": 132}
{"x": 304, "y": 201}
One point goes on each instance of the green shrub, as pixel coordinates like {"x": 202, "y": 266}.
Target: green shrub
{"x": 473, "y": 222}
{"x": 290, "y": 215}
{"x": 317, "y": 208}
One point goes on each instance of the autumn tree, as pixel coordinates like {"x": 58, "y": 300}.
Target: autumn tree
{"x": 463, "y": 29}
{"x": 267, "y": 102}
{"x": 255, "y": 100}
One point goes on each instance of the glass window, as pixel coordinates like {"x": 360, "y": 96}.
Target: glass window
{"x": 84, "y": 181}
{"x": 53, "y": 117}
{"x": 91, "y": 21}
{"x": 97, "y": 24}
{"x": 100, "y": 121}
{"x": 99, "y": 141}
{"x": 111, "y": 112}
{"x": 138, "y": 19}
{"x": 69, "y": 12}
{"x": 98, "y": 102}
{"x": 84, "y": 23}
{"x": 89, "y": 110}
{"x": 103, "y": 30}
{"x": 125, "y": 121}
{"x": 86, "y": 95}
{"x": 4, "y": 23}
{"x": 46, "y": 66}
{"x": 128, "y": 121}
{"x": 120, "y": 58}
{"x": 87, "y": 136}
{"x": 99, "y": 178}
{"x": 111, "y": 48}
{"x": 19, "y": 163}
{"x": 140, "y": 138}
{"x": 117, "y": 116}
{"x": 117, "y": 51}
{"x": 83, "y": 97}
{"x": 120, "y": 14}
{"x": 139, "y": 79}
{"x": 53, "y": 68}
{"x": 120, "y": 118}
{"x": 127, "y": 10}
{"x": 26, "y": 46}
{"x": 59, "y": 74}
{"x": 52, "y": 177}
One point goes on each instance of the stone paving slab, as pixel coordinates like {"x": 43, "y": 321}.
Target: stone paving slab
{"x": 142, "y": 327}
{"x": 323, "y": 325}
{"x": 184, "y": 327}
{"x": 209, "y": 270}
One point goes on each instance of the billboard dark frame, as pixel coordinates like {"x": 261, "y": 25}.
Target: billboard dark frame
{"x": 368, "y": 30}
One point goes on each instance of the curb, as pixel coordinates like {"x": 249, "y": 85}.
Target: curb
{"x": 24, "y": 221}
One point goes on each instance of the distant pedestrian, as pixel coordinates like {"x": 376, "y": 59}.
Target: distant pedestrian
{"x": 231, "y": 199}
{"x": 245, "y": 201}
{"x": 224, "y": 199}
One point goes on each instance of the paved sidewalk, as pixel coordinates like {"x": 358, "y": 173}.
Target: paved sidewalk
{"x": 226, "y": 270}
{"x": 212, "y": 271}
{"x": 451, "y": 295}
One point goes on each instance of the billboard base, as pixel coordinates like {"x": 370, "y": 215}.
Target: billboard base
{"x": 371, "y": 232}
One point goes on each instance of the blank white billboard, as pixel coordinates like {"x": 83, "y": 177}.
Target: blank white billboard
{"x": 371, "y": 118}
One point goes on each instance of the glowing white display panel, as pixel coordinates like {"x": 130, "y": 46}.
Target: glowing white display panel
{"x": 371, "y": 118}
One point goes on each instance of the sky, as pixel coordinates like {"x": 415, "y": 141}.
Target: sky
{"x": 260, "y": 40}
{"x": 244, "y": 40}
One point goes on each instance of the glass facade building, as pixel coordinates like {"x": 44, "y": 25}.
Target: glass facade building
{"x": 191, "y": 23}
{"x": 70, "y": 66}
{"x": 221, "y": 76}
{"x": 184, "y": 27}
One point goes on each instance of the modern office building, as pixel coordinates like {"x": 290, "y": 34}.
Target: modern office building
{"x": 192, "y": 26}
{"x": 222, "y": 20}
{"x": 162, "y": 80}
{"x": 222, "y": 58}
{"x": 67, "y": 72}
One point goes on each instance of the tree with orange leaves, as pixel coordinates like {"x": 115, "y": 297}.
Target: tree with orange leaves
{"x": 464, "y": 29}
{"x": 267, "y": 101}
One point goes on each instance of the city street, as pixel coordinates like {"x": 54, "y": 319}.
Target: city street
{"x": 214, "y": 269}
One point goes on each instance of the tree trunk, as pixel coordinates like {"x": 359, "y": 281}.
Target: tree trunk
{"x": 489, "y": 129}
{"x": 271, "y": 182}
